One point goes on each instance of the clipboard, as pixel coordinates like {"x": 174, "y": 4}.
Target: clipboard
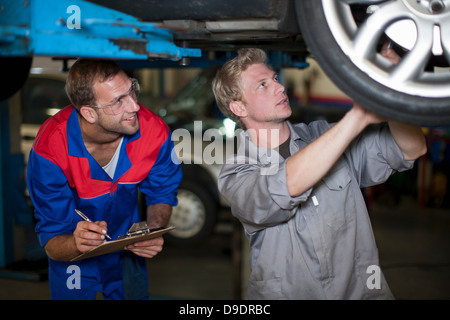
{"x": 117, "y": 245}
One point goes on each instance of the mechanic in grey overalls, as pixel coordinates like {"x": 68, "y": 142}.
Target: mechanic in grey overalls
{"x": 296, "y": 188}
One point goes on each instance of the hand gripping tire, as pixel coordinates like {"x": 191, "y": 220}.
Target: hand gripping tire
{"x": 345, "y": 39}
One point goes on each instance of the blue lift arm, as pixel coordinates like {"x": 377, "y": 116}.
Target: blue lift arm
{"x": 82, "y": 29}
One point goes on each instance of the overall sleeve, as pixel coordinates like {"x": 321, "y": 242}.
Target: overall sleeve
{"x": 258, "y": 195}
{"x": 163, "y": 180}
{"x": 375, "y": 156}
{"x": 51, "y": 196}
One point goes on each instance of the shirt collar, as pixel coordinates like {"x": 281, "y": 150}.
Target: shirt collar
{"x": 300, "y": 133}
{"x": 260, "y": 154}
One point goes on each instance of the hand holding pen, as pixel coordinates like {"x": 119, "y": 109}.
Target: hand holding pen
{"x": 85, "y": 218}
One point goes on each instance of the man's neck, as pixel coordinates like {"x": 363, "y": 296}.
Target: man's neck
{"x": 101, "y": 145}
{"x": 91, "y": 133}
{"x": 270, "y": 137}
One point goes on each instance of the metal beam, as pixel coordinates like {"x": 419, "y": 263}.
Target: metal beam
{"x": 79, "y": 28}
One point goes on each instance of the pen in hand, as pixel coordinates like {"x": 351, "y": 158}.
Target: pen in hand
{"x": 81, "y": 214}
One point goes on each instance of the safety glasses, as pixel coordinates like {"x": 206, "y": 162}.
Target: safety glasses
{"x": 122, "y": 101}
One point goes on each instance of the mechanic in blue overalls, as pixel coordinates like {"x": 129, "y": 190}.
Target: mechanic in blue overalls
{"x": 94, "y": 156}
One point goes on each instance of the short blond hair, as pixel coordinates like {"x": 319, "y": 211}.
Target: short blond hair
{"x": 227, "y": 85}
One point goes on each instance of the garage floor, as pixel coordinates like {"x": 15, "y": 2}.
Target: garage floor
{"x": 414, "y": 246}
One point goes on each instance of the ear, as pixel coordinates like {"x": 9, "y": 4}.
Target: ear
{"x": 238, "y": 108}
{"x": 88, "y": 114}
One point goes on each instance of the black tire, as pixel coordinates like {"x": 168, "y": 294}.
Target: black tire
{"x": 373, "y": 95}
{"x": 195, "y": 216}
{"x": 17, "y": 70}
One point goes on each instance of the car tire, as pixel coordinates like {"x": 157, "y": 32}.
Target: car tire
{"x": 370, "y": 81}
{"x": 195, "y": 215}
{"x": 17, "y": 70}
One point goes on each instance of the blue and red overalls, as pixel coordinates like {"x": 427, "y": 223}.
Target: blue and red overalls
{"x": 62, "y": 176}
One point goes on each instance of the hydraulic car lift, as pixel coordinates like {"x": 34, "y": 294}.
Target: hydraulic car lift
{"x": 82, "y": 29}
{"x": 65, "y": 29}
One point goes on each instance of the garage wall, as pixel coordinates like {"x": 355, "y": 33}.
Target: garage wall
{"x": 313, "y": 85}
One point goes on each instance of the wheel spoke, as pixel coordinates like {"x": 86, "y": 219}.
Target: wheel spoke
{"x": 370, "y": 32}
{"x": 410, "y": 25}
{"x": 445, "y": 39}
{"x": 413, "y": 64}
{"x": 363, "y": 2}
